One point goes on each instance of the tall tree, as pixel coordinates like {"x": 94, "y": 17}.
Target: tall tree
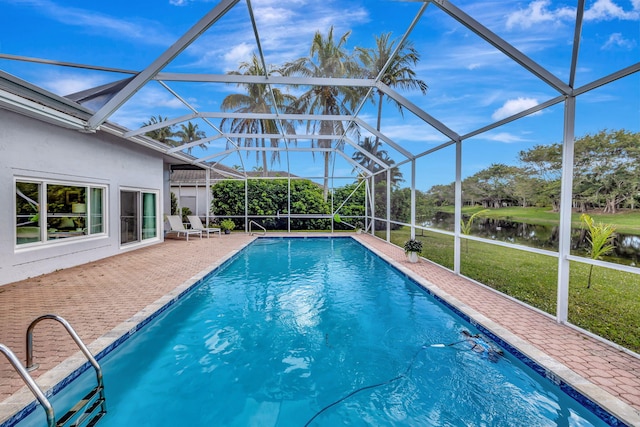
{"x": 494, "y": 186}
{"x": 398, "y": 73}
{"x": 327, "y": 58}
{"x": 190, "y": 133}
{"x": 544, "y": 163}
{"x": 607, "y": 168}
{"x": 367, "y": 145}
{"x": 163, "y": 134}
{"x": 259, "y": 98}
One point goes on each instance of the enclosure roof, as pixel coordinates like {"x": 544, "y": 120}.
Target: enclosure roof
{"x": 189, "y": 69}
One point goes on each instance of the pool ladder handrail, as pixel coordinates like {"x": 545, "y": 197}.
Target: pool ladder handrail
{"x": 28, "y": 380}
{"x": 264, "y": 230}
{"x": 33, "y": 386}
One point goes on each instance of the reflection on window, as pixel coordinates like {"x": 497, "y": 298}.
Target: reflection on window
{"x": 149, "y": 228}
{"x": 129, "y": 217}
{"x": 96, "y": 213}
{"x": 54, "y": 211}
{"x": 28, "y": 212}
{"x": 66, "y": 211}
{"x": 138, "y": 216}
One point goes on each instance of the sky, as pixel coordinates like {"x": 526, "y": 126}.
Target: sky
{"x": 471, "y": 84}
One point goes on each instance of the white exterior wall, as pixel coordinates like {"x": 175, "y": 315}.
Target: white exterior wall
{"x": 196, "y": 196}
{"x": 32, "y": 149}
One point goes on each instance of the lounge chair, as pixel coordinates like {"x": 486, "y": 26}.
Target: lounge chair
{"x": 177, "y": 227}
{"x": 196, "y": 224}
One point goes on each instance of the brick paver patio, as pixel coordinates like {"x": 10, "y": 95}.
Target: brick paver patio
{"x": 97, "y": 297}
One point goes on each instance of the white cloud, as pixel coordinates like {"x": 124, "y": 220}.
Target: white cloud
{"x": 505, "y": 137}
{"x": 408, "y": 132}
{"x": 607, "y": 10}
{"x": 238, "y": 53}
{"x": 232, "y": 40}
{"x": 108, "y": 26}
{"x": 514, "y": 106}
{"x": 67, "y": 83}
{"x": 136, "y": 111}
{"x": 617, "y": 40}
{"x": 269, "y": 16}
{"x": 538, "y": 12}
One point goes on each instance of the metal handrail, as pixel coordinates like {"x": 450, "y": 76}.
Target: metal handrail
{"x": 31, "y": 366}
{"x": 46, "y": 405}
{"x": 264, "y": 230}
{"x": 79, "y": 343}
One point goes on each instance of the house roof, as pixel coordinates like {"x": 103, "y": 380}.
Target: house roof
{"x": 198, "y": 176}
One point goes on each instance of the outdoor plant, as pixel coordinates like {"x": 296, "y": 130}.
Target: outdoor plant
{"x": 465, "y": 227}
{"x": 174, "y": 204}
{"x": 413, "y": 245}
{"x": 185, "y": 213}
{"x": 600, "y": 238}
{"x": 227, "y": 225}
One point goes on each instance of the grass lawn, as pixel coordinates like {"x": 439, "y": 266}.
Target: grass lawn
{"x": 627, "y": 221}
{"x": 610, "y": 308}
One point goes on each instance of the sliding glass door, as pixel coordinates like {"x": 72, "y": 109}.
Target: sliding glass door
{"x": 138, "y": 216}
{"x": 129, "y": 213}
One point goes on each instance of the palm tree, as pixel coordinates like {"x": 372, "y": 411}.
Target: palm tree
{"x": 258, "y": 99}
{"x": 164, "y": 134}
{"x": 327, "y": 58}
{"x": 367, "y": 144}
{"x": 190, "y": 133}
{"x": 399, "y": 72}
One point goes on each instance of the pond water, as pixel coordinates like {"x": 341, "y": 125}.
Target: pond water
{"x": 627, "y": 246}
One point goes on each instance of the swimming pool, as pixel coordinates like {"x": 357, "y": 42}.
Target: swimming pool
{"x": 283, "y": 334}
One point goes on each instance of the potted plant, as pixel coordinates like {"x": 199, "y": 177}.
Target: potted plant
{"x": 227, "y": 225}
{"x": 413, "y": 248}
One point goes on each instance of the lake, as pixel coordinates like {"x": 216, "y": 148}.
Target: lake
{"x": 627, "y": 246}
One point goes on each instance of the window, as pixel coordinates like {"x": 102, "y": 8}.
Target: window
{"x": 70, "y": 211}
{"x": 138, "y": 216}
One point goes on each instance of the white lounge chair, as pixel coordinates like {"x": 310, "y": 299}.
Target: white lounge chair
{"x": 177, "y": 227}
{"x": 196, "y": 224}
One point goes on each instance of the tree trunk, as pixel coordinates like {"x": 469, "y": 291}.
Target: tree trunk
{"x": 378, "y": 124}
{"x": 264, "y": 159}
{"x": 611, "y": 206}
{"x": 325, "y": 190}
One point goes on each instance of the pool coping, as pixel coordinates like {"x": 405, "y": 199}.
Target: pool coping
{"x": 22, "y": 403}
{"x": 604, "y": 405}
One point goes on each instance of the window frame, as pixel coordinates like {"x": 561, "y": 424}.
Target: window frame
{"x": 45, "y": 237}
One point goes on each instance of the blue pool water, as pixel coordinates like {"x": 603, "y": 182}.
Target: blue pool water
{"x": 283, "y": 334}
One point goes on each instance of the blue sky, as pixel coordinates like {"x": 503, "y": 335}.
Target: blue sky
{"x": 471, "y": 84}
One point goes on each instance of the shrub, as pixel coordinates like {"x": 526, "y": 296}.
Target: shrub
{"x": 227, "y": 224}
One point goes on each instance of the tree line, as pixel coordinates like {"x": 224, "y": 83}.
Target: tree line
{"x": 269, "y": 197}
{"x": 328, "y": 56}
{"x": 606, "y": 175}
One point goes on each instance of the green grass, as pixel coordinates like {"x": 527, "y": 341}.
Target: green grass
{"x": 627, "y": 221}
{"x": 610, "y": 308}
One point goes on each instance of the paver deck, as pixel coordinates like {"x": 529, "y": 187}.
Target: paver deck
{"x": 98, "y": 296}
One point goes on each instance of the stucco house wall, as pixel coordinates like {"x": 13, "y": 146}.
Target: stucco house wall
{"x": 32, "y": 149}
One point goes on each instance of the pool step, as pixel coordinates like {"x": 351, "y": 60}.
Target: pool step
{"x": 86, "y": 409}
